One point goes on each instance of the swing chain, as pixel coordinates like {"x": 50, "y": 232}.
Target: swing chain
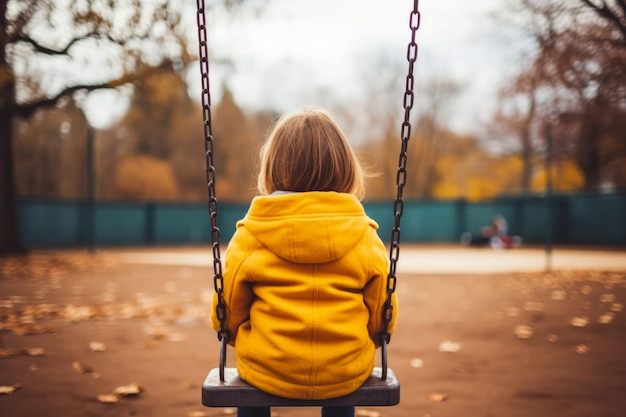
{"x": 398, "y": 207}
{"x": 218, "y": 279}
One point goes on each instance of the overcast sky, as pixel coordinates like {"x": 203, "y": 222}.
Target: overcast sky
{"x": 296, "y": 49}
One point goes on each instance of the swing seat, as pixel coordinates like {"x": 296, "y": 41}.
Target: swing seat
{"x": 234, "y": 392}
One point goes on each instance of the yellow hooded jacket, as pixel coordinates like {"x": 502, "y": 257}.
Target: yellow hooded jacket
{"x": 305, "y": 281}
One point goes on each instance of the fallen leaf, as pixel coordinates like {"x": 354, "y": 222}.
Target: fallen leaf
{"x": 81, "y": 369}
{"x": 37, "y": 351}
{"x": 367, "y": 413}
{"x": 97, "y": 347}
{"x": 108, "y": 398}
{"x": 523, "y": 332}
{"x": 197, "y": 414}
{"x": 617, "y": 307}
{"x": 552, "y": 338}
{"x": 130, "y": 389}
{"x": 558, "y": 295}
{"x": 7, "y": 353}
{"x": 9, "y": 389}
{"x": 417, "y": 363}
{"x": 438, "y": 397}
{"x": 581, "y": 349}
{"x": 449, "y": 347}
{"x": 579, "y": 321}
{"x": 605, "y": 318}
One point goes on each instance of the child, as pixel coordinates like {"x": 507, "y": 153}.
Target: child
{"x": 305, "y": 275}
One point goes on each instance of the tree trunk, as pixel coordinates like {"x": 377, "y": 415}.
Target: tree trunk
{"x": 589, "y": 153}
{"x": 9, "y": 235}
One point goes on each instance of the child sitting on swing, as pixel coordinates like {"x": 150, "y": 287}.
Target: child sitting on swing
{"x": 305, "y": 272}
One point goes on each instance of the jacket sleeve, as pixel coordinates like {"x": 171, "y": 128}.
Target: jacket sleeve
{"x": 237, "y": 291}
{"x": 375, "y": 293}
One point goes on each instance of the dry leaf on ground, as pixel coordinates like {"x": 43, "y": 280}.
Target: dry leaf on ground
{"x": 7, "y": 353}
{"x": 108, "y": 398}
{"x": 579, "y": 321}
{"x": 97, "y": 347}
{"x": 449, "y": 346}
{"x": 36, "y": 351}
{"x": 130, "y": 389}
{"x": 9, "y": 389}
{"x": 367, "y": 413}
{"x": 197, "y": 414}
{"x": 523, "y": 332}
{"x": 81, "y": 369}
{"x": 438, "y": 397}
{"x": 417, "y": 363}
{"x": 581, "y": 349}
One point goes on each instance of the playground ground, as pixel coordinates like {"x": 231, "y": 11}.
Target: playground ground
{"x": 481, "y": 333}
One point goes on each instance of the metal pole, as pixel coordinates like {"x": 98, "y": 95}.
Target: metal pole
{"x": 91, "y": 200}
{"x": 549, "y": 214}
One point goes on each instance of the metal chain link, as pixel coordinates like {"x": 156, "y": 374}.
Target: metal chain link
{"x": 218, "y": 280}
{"x": 398, "y": 206}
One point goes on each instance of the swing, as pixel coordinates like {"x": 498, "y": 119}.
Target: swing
{"x": 222, "y": 387}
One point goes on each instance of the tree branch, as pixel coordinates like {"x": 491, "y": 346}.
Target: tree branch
{"x": 605, "y": 12}
{"x": 27, "y": 109}
{"x": 65, "y": 51}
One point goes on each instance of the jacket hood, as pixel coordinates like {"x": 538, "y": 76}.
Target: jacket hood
{"x": 309, "y": 227}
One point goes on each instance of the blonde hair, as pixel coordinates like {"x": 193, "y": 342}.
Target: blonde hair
{"x": 307, "y": 151}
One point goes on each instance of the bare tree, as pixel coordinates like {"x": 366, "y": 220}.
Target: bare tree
{"x": 578, "y": 72}
{"x": 431, "y": 138}
{"x": 513, "y": 128}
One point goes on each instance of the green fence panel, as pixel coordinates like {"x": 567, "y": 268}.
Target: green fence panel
{"x": 589, "y": 219}
{"x": 49, "y": 223}
{"x": 534, "y": 221}
{"x": 228, "y": 216}
{"x": 121, "y": 224}
{"x": 599, "y": 219}
{"x": 430, "y": 221}
{"x": 382, "y": 213}
{"x": 181, "y": 224}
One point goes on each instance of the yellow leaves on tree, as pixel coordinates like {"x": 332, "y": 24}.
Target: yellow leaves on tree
{"x": 566, "y": 176}
{"x": 145, "y": 178}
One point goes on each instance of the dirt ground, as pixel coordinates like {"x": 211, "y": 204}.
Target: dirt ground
{"x": 74, "y": 327}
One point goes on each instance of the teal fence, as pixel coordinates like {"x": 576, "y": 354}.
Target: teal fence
{"x": 577, "y": 219}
